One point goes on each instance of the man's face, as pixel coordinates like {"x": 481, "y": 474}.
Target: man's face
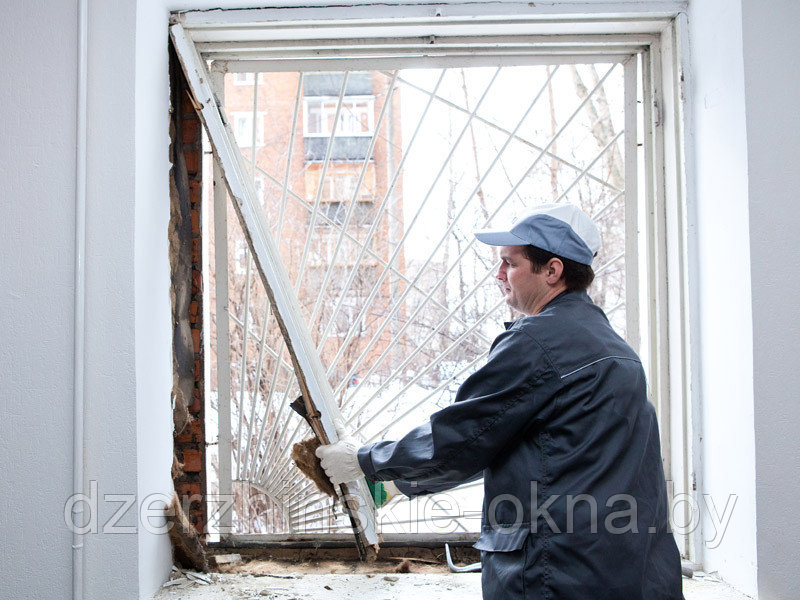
{"x": 523, "y": 288}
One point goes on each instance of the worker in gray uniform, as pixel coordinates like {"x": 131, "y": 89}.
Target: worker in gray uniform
{"x": 558, "y": 424}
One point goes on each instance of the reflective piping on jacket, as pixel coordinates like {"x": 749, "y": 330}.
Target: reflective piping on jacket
{"x": 594, "y": 362}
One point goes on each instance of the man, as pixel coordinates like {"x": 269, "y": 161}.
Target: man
{"x": 558, "y": 424}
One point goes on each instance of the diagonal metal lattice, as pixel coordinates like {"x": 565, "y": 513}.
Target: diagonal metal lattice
{"x": 372, "y": 207}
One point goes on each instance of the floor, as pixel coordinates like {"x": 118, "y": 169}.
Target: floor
{"x": 372, "y": 586}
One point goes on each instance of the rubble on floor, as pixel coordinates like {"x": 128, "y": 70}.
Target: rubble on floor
{"x": 302, "y": 586}
{"x": 342, "y": 581}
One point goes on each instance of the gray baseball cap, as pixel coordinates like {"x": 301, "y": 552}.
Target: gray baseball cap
{"x": 563, "y": 229}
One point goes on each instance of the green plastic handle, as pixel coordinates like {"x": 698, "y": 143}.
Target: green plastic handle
{"x": 378, "y": 493}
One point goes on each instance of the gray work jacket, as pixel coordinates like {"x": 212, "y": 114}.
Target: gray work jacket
{"x": 558, "y": 424}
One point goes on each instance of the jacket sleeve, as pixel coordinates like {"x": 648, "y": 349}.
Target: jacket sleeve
{"x": 492, "y": 409}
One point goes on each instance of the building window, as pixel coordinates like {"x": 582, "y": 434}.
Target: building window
{"x": 347, "y": 319}
{"x": 244, "y": 78}
{"x": 341, "y": 185}
{"x": 336, "y": 212}
{"x": 242, "y": 123}
{"x": 356, "y": 118}
{"x": 239, "y": 256}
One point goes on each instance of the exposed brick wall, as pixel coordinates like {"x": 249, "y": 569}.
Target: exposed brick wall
{"x": 190, "y": 480}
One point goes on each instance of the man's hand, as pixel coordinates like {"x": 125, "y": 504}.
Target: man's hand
{"x": 340, "y": 461}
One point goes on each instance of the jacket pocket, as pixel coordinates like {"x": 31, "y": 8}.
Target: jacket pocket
{"x": 503, "y": 560}
{"x": 499, "y": 540}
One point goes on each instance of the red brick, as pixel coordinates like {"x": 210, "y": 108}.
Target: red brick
{"x": 193, "y": 432}
{"x": 192, "y": 162}
{"x": 192, "y": 461}
{"x": 195, "y": 191}
{"x": 188, "y": 489}
{"x": 197, "y": 521}
{"x": 189, "y": 133}
{"x": 190, "y": 486}
{"x": 194, "y": 312}
{"x": 192, "y": 502}
{"x": 186, "y": 105}
{"x": 197, "y": 282}
{"x": 197, "y": 405}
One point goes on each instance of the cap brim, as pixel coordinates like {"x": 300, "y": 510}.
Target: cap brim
{"x": 494, "y": 237}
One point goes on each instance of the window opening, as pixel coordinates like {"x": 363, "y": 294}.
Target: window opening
{"x": 402, "y": 304}
{"x": 430, "y": 283}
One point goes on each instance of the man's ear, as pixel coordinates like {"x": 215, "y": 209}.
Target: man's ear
{"x": 553, "y": 270}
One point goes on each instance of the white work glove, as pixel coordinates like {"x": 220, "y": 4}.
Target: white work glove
{"x": 340, "y": 461}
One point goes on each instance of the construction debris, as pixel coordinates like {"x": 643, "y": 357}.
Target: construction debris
{"x": 201, "y": 579}
{"x": 303, "y": 455}
{"x": 184, "y": 579}
{"x": 441, "y": 586}
{"x": 412, "y": 559}
{"x": 403, "y": 567}
{"x": 348, "y": 586}
{"x": 226, "y": 559}
{"x": 187, "y": 549}
{"x": 177, "y": 467}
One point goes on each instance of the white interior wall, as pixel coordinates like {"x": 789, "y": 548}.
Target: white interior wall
{"x": 110, "y": 381}
{"x": 37, "y": 217}
{"x": 772, "y": 86}
{"x": 717, "y": 178}
{"x": 152, "y": 281}
{"x": 128, "y": 369}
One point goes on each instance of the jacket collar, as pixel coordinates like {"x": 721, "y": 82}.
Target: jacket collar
{"x": 565, "y": 296}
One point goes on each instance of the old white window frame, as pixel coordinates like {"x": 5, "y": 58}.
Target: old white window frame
{"x": 509, "y": 33}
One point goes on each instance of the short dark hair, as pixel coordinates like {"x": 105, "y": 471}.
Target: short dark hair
{"x": 576, "y": 275}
